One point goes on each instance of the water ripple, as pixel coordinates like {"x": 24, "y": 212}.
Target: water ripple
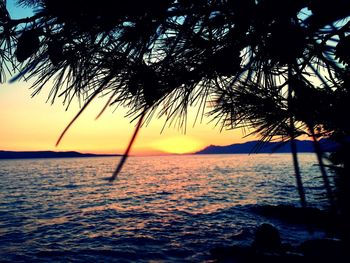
{"x": 168, "y": 209}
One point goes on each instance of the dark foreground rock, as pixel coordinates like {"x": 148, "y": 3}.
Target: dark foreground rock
{"x": 267, "y": 238}
{"x": 267, "y": 247}
{"x": 331, "y": 250}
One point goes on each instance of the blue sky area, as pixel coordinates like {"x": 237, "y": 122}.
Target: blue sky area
{"x": 16, "y": 11}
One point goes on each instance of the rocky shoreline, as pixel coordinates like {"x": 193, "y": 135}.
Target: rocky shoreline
{"x": 268, "y": 246}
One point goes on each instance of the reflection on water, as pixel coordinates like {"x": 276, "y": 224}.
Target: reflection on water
{"x": 172, "y": 208}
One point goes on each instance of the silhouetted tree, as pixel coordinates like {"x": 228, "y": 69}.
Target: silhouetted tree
{"x": 278, "y": 67}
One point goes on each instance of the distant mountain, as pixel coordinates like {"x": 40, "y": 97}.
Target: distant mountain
{"x": 47, "y": 154}
{"x": 269, "y": 147}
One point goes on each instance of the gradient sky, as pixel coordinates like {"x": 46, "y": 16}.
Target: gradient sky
{"x": 32, "y": 124}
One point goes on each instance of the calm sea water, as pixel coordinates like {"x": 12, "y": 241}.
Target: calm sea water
{"x": 160, "y": 209}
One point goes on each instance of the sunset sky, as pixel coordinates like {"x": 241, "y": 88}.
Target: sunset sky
{"x": 34, "y": 124}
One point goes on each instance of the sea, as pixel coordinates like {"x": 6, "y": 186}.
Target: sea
{"x": 159, "y": 209}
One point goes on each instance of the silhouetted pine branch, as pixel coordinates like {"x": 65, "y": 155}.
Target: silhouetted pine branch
{"x": 257, "y": 64}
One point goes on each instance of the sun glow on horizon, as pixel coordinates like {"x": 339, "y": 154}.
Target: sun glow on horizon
{"x": 178, "y": 144}
{"x": 30, "y": 124}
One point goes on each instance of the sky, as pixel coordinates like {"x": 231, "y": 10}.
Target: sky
{"x": 32, "y": 124}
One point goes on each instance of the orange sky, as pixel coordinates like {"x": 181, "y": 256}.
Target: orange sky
{"x": 32, "y": 124}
